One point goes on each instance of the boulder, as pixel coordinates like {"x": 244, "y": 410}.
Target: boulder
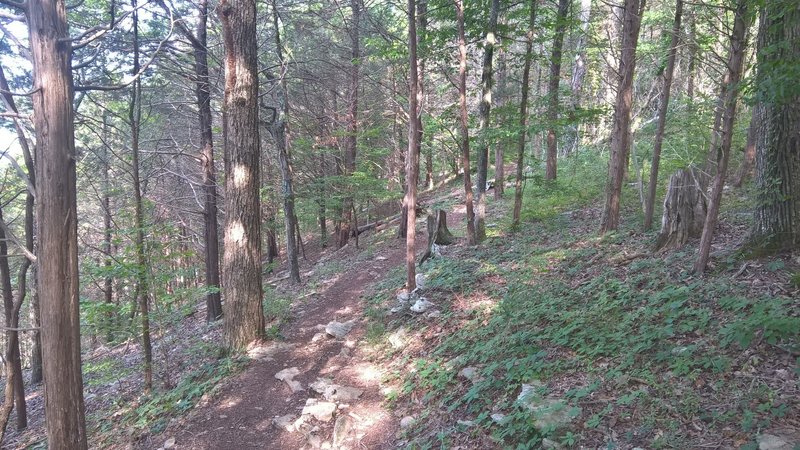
{"x": 322, "y": 411}
{"x": 338, "y": 329}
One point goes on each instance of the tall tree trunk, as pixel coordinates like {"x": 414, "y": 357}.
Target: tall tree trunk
{"x": 620, "y": 134}
{"x": 484, "y": 111}
{"x": 464, "y": 121}
{"x": 13, "y": 356}
{"x": 412, "y": 160}
{"x": 57, "y": 219}
{"x": 692, "y": 47}
{"x": 351, "y": 141}
{"x": 499, "y": 150}
{"x": 142, "y": 281}
{"x": 552, "y": 90}
{"x": 241, "y": 263}
{"x": 662, "y": 117}
{"x": 284, "y": 159}
{"x": 15, "y": 390}
{"x": 105, "y": 203}
{"x": 735, "y": 63}
{"x": 777, "y": 214}
{"x": 749, "y": 150}
{"x": 210, "y": 224}
{"x": 579, "y": 69}
{"x": 523, "y": 114}
{"x": 422, "y": 33}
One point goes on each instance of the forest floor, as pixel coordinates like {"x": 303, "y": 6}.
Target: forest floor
{"x": 544, "y": 336}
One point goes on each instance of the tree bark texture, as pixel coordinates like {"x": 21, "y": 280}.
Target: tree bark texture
{"x": 663, "y": 107}
{"x": 243, "y": 313}
{"x": 142, "y": 272}
{"x": 738, "y": 48}
{"x": 210, "y": 224}
{"x": 523, "y": 114}
{"x": 552, "y": 90}
{"x": 484, "y": 122}
{"x": 777, "y": 214}
{"x": 464, "y": 121}
{"x": 412, "y": 158}
{"x": 57, "y": 219}
{"x": 749, "y": 157}
{"x": 351, "y": 141}
{"x": 621, "y": 126}
{"x": 284, "y": 160}
{"x": 685, "y": 209}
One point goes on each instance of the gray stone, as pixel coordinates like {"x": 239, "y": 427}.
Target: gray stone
{"x": 398, "y": 338}
{"x": 773, "y": 442}
{"x": 287, "y": 374}
{"x": 552, "y": 413}
{"x": 407, "y": 421}
{"x": 470, "y": 373}
{"x": 435, "y": 314}
{"x": 499, "y": 418}
{"x": 340, "y": 429}
{"x": 403, "y": 297}
{"x": 339, "y": 329}
{"x": 466, "y": 423}
{"x": 421, "y": 305}
{"x": 285, "y": 422}
{"x": 322, "y": 411}
{"x": 420, "y": 280}
{"x": 343, "y": 393}
{"x": 169, "y": 443}
{"x": 550, "y": 444}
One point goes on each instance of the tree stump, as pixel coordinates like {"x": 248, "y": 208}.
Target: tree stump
{"x": 438, "y": 234}
{"x": 684, "y": 209}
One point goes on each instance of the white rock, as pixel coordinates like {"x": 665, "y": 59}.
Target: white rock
{"x": 287, "y": 374}
{"x": 398, "y": 338}
{"x": 340, "y": 429}
{"x": 469, "y": 373}
{"x": 466, "y": 423}
{"x": 285, "y": 422}
{"x": 381, "y": 258}
{"x": 421, "y": 305}
{"x": 318, "y": 337}
{"x": 407, "y": 421}
{"x": 322, "y": 411}
{"x": 499, "y": 418}
{"x": 772, "y": 442}
{"x": 342, "y": 393}
{"x": 403, "y": 296}
{"x": 435, "y": 314}
{"x": 339, "y": 329}
{"x": 169, "y": 443}
{"x": 420, "y": 280}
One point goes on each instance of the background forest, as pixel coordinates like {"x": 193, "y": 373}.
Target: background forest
{"x": 176, "y": 177}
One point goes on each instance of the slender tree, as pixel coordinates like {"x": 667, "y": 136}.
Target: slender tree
{"x": 484, "y": 112}
{"x": 280, "y": 132}
{"x": 241, "y": 264}
{"x": 620, "y": 133}
{"x": 523, "y": 113}
{"x": 662, "y": 117}
{"x": 142, "y": 290}
{"x": 464, "y": 121}
{"x": 412, "y": 158}
{"x": 351, "y": 141}
{"x": 738, "y": 47}
{"x": 552, "y": 90}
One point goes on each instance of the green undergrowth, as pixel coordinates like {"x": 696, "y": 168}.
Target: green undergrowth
{"x": 640, "y": 347}
{"x": 152, "y": 413}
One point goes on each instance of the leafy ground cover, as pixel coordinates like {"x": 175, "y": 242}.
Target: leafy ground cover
{"x": 550, "y": 335}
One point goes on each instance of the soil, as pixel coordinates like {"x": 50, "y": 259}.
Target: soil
{"x": 240, "y": 415}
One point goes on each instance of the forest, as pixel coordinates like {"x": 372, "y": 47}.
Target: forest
{"x": 466, "y": 224}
